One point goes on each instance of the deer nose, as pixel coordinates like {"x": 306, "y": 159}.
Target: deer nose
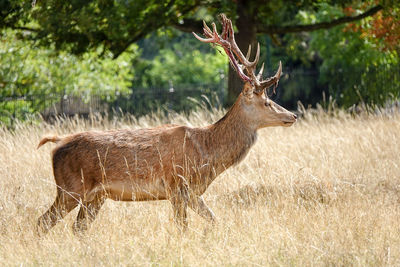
{"x": 295, "y": 116}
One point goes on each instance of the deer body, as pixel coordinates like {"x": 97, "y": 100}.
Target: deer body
{"x": 147, "y": 164}
{"x": 170, "y": 162}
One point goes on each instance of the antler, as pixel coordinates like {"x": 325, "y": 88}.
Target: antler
{"x": 227, "y": 41}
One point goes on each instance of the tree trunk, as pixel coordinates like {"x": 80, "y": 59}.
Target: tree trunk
{"x": 246, "y": 34}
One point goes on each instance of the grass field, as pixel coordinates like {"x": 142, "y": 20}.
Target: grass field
{"x": 323, "y": 192}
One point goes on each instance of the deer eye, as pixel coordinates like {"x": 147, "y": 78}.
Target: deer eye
{"x": 267, "y": 103}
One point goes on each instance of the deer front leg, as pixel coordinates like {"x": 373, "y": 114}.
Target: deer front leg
{"x": 198, "y": 205}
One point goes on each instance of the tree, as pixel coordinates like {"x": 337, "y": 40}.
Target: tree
{"x": 353, "y": 65}
{"x": 32, "y": 79}
{"x": 79, "y": 26}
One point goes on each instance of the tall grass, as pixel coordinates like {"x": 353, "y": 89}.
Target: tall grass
{"x": 323, "y": 192}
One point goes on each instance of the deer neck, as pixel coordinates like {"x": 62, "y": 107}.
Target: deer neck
{"x": 232, "y": 137}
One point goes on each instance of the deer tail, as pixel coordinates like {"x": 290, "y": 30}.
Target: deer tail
{"x": 53, "y": 139}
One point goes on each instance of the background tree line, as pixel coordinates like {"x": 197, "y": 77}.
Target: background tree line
{"x": 124, "y": 49}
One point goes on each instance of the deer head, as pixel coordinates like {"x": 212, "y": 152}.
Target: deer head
{"x": 261, "y": 110}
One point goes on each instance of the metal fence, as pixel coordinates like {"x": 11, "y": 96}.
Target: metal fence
{"x": 295, "y": 85}
{"x": 138, "y": 102}
{"x": 14, "y": 107}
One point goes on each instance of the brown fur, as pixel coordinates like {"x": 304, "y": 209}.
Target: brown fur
{"x": 171, "y": 162}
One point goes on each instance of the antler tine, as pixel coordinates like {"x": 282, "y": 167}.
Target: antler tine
{"x": 279, "y": 72}
{"x": 274, "y": 80}
{"x": 204, "y": 40}
{"x": 215, "y": 32}
{"x": 249, "y": 65}
{"x": 257, "y": 58}
{"x": 248, "y": 52}
{"x": 222, "y": 19}
{"x": 206, "y": 29}
{"x": 260, "y": 73}
{"x": 212, "y": 35}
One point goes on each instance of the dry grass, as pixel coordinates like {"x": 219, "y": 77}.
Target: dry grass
{"x": 323, "y": 192}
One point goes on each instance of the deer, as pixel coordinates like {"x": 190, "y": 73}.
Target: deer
{"x": 168, "y": 162}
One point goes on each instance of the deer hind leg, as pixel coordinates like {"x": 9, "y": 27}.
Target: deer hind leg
{"x": 87, "y": 214}
{"x": 198, "y": 205}
{"x": 62, "y": 205}
{"x": 179, "y": 201}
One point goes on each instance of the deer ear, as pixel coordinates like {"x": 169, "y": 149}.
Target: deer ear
{"x": 248, "y": 90}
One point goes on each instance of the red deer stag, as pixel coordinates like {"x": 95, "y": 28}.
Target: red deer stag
{"x": 170, "y": 162}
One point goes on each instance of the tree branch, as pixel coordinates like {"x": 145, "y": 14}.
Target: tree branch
{"x": 191, "y": 24}
{"x": 117, "y": 51}
{"x": 21, "y": 28}
{"x": 317, "y": 26}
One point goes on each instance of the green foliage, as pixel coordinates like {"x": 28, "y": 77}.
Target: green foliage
{"x": 42, "y": 75}
{"x": 80, "y": 26}
{"x": 354, "y": 68}
{"x": 177, "y": 66}
{"x": 168, "y": 72}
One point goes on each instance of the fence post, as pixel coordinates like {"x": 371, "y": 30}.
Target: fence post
{"x": 62, "y": 102}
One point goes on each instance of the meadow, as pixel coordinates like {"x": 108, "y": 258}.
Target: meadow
{"x": 325, "y": 191}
